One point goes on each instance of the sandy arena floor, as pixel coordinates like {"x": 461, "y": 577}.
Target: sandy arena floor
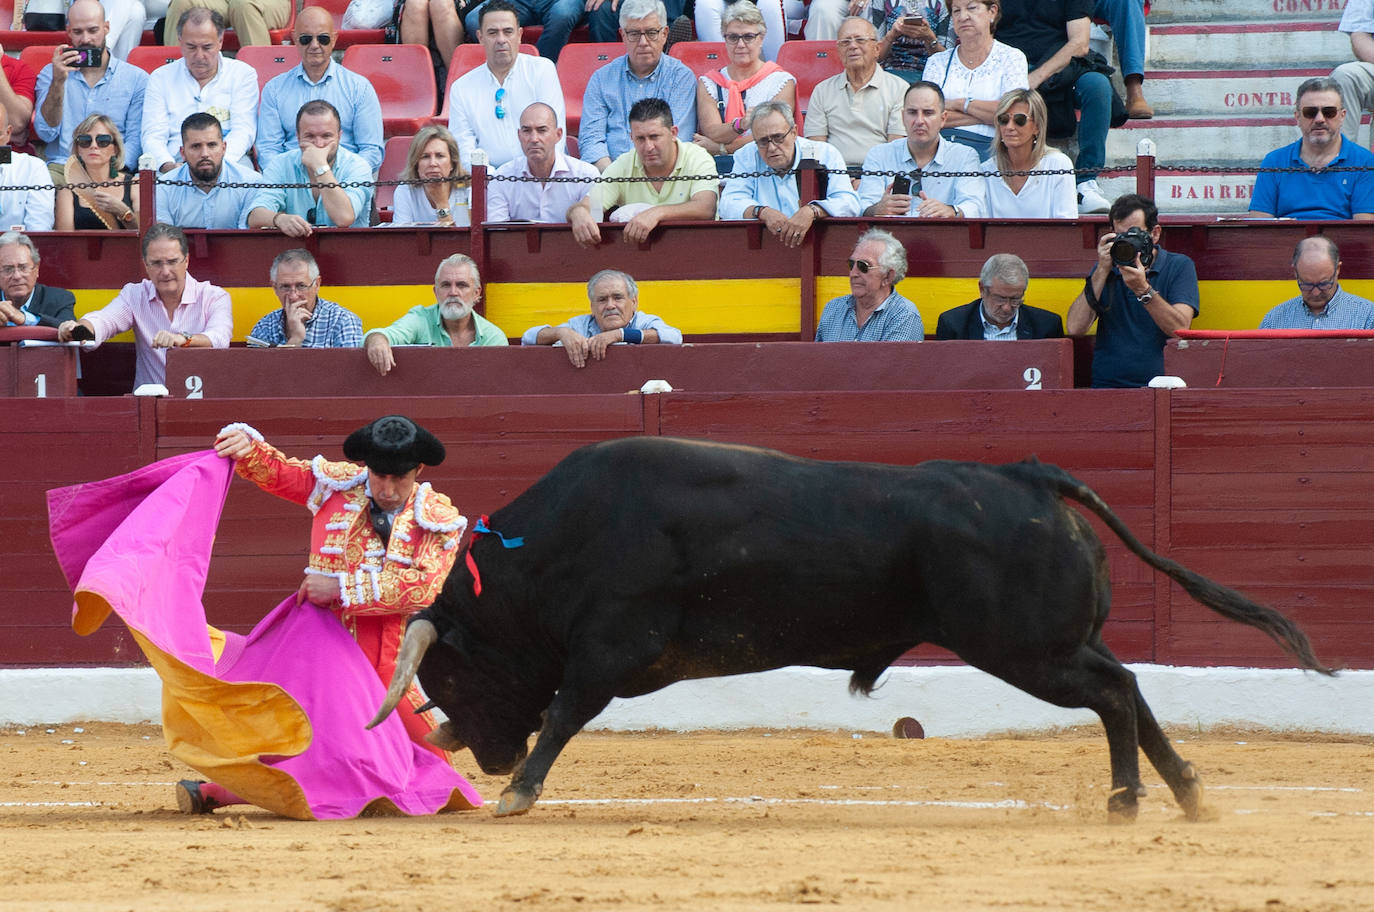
{"x": 752, "y": 820}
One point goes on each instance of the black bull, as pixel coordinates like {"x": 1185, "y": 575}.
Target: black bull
{"x": 648, "y": 561}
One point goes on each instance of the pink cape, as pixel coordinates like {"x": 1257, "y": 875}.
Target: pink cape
{"x": 276, "y": 716}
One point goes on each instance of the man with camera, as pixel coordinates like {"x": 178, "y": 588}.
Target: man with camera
{"x": 1138, "y": 293}
{"x": 104, "y": 84}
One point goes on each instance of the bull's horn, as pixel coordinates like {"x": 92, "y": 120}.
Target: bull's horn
{"x": 420, "y": 635}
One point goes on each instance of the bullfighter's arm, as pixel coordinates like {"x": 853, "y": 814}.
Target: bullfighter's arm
{"x": 265, "y": 465}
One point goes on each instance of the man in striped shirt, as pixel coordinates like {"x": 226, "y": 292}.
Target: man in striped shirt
{"x": 1322, "y": 303}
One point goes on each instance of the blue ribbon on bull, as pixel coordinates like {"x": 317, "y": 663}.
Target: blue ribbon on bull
{"x": 479, "y": 529}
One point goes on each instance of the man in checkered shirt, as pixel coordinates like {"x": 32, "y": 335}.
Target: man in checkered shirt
{"x": 1322, "y": 303}
{"x": 304, "y": 320}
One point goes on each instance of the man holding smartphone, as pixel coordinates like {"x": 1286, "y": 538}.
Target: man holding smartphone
{"x": 86, "y": 78}
{"x": 913, "y": 192}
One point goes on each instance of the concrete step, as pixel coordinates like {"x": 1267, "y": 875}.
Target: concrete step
{"x": 1255, "y": 46}
{"x": 1218, "y": 93}
{"x": 1278, "y": 11}
{"x": 1190, "y": 194}
{"x": 1208, "y": 141}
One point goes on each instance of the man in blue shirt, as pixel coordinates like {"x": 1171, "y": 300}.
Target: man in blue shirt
{"x": 872, "y": 311}
{"x": 644, "y": 72}
{"x": 1138, "y": 306}
{"x": 1321, "y": 303}
{"x": 304, "y": 320}
{"x": 335, "y": 184}
{"x": 319, "y": 76}
{"x": 68, "y": 94}
{"x": 1317, "y": 192}
{"x": 193, "y": 195}
{"x": 615, "y": 318}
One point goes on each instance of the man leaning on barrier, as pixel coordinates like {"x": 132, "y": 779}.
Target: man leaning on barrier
{"x": 25, "y": 302}
{"x": 923, "y": 149}
{"x": 615, "y": 318}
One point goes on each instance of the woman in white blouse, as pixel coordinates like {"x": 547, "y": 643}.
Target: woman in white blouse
{"x": 1020, "y": 146}
{"x": 433, "y": 154}
{"x": 975, "y": 74}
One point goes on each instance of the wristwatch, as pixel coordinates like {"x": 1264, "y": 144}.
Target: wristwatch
{"x": 1146, "y": 297}
{"x": 320, "y": 171}
{"x": 442, "y": 213}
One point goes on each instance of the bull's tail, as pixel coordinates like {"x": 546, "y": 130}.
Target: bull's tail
{"x": 1223, "y": 600}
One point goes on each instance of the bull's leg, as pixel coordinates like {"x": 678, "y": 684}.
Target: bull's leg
{"x": 571, "y": 708}
{"x": 1180, "y": 775}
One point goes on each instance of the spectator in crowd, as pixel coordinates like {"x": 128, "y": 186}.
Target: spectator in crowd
{"x": 1317, "y": 192}
{"x": 419, "y": 21}
{"x": 527, "y": 194}
{"x": 872, "y": 311}
{"x": 1321, "y": 303}
{"x": 724, "y": 98}
{"x": 643, "y": 72}
{"x": 558, "y": 18}
{"x": 1127, "y": 21}
{"x": 923, "y": 149}
{"x": 318, "y": 75}
{"x": 1020, "y": 146}
{"x": 975, "y": 74}
{"x": 1053, "y": 34}
{"x": 334, "y": 184}
{"x": 123, "y": 20}
{"x": 169, "y": 309}
{"x": 451, "y": 321}
{"x": 668, "y": 194}
{"x": 908, "y": 33}
{"x": 193, "y": 195}
{"x": 203, "y": 80}
{"x": 1000, "y": 314}
{"x": 32, "y": 208}
{"x": 615, "y": 318}
{"x": 484, "y": 103}
{"x": 861, "y": 107}
{"x": 97, "y": 157}
{"x": 1356, "y": 78}
{"x": 251, "y": 19}
{"x": 304, "y": 320}
{"x": 433, "y": 154}
{"x": 112, "y": 87}
{"x": 1138, "y": 304}
{"x": 25, "y": 302}
{"x": 775, "y": 198}
{"x": 18, "y": 83}
{"x": 713, "y": 18}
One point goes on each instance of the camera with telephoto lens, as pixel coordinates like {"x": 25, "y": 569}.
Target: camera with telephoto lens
{"x": 1131, "y": 243}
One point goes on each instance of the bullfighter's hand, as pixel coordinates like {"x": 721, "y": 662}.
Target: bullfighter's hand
{"x": 235, "y": 444}
{"x": 319, "y": 590}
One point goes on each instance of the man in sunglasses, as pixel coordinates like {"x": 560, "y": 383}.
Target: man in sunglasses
{"x": 328, "y": 185}
{"x": 1321, "y": 302}
{"x": 318, "y": 75}
{"x": 68, "y": 94}
{"x": 1321, "y": 189}
{"x": 872, "y": 311}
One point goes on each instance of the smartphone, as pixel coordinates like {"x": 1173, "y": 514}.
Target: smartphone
{"x": 901, "y": 184}
{"x": 82, "y": 333}
{"x": 88, "y": 56}
{"x": 913, "y": 20}
{"x": 5, "y": 153}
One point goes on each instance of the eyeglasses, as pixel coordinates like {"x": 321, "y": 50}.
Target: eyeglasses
{"x": 1327, "y": 111}
{"x": 102, "y": 140}
{"x": 777, "y": 139}
{"x": 1019, "y": 118}
{"x": 296, "y": 288}
{"x": 1005, "y": 300}
{"x": 18, "y": 269}
{"x": 1316, "y": 286}
{"x": 156, "y": 265}
{"x": 854, "y": 42}
{"x": 743, "y": 38}
{"x": 862, "y": 265}
{"x": 500, "y": 97}
{"x": 634, "y": 36}
{"x": 321, "y": 40}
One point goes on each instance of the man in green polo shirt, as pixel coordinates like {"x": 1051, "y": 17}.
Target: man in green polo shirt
{"x": 450, "y": 320}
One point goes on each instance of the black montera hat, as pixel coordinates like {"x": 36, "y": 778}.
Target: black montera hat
{"x": 393, "y": 445}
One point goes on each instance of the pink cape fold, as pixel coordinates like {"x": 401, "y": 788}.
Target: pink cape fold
{"x": 279, "y": 718}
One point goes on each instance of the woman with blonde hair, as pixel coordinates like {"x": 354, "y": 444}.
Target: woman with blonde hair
{"x": 443, "y": 199}
{"x": 1020, "y": 146}
{"x": 97, "y": 157}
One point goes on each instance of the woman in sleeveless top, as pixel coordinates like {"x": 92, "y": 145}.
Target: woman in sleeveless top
{"x": 1022, "y": 122}
{"x": 433, "y": 154}
{"x": 97, "y": 157}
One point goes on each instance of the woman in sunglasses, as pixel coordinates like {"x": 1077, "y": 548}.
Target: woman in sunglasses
{"x": 433, "y": 157}
{"x": 975, "y": 74}
{"x": 97, "y": 157}
{"x": 1020, "y": 146}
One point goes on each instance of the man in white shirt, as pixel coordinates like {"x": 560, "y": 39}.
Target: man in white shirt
{"x": 484, "y": 102}
{"x": 535, "y": 198}
{"x": 26, "y": 210}
{"x": 203, "y": 80}
{"x": 923, "y": 149}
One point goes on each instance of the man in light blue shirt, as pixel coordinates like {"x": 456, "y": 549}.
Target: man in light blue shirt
{"x": 319, "y": 76}
{"x": 1322, "y": 302}
{"x": 644, "y": 72}
{"x": 193, "y": 195}
{"x": 335, "y": 184}
{"x": 67, "y": 94}
{"x": 615, "y": 319}
{"x": 774, "y": 197}
{"x": 923, "y": 149}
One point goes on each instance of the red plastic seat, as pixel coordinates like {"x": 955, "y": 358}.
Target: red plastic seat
{"x": 468, "y": 57}
{"x": 277, "y": 36}
{"x": 811, "y": 62}
{"x": 393, "y": 163}
{"x": 18, "y": 39}
{"x": 576, "y": 63}
{"x": 346, "y": 38}
{"x": 269, "y": 60}
{"x": 150, "y": 58}
{"x": 701, "y": 57}
{"x": 38, "y": 56}
{"x": 404, "y": 80}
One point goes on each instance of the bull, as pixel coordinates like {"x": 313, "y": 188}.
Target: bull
{"x": 648, "y": 561}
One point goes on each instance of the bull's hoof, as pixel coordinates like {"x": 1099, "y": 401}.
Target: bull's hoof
{"x": 1122, "y": 805}
{"x": 1189, "y": 794}
{"x": 444, "y": 738}
{"x": 515, "y": 801}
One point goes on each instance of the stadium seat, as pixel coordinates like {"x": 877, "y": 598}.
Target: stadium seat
{"x": 38, "y": 56}
{"x": 811, "y": 62}
{"x": 576, "y": 64}
{"x": 467, "y": 57}
{"x": 277, "y": 36}
{"x": 404, "y": 80}
{"x": 701, "y": 57}
{"x": 346, "y": 38}
{"x": 269, "y": 61}
{"x": 16, "y": 40}
{"x": 393, "y": 163}
{"x": 150, "y": 58}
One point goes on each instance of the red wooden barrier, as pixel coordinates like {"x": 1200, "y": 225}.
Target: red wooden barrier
{"x": 1237, "y": 363}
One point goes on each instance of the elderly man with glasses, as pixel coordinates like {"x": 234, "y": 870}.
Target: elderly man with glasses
{"x": 861, "y": 107}
{"x": 872, "y": 311}
{"x": 770, "y": 192}
{"x": 1321, "y": 303}
{"x": 304, "y": 320}
{"x": 318, "y": 75}
{"x": 1000, "y": 314}
{"x": 25, "y": 302}
{"x": 1319, "y": 190}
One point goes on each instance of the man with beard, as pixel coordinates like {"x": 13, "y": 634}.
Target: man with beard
{"x": 923, "y": 149}
{"x": 1319, "y": 191}
{"x": 451, "y": 320}
{"x": 304, "y": 320}
{"x": 192, "y": 195}
{"x": 615, "y": 318}
{"x": 333, "y": 186}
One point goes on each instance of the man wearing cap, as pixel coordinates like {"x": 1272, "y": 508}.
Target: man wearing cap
{"x": 381, "y": 544}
